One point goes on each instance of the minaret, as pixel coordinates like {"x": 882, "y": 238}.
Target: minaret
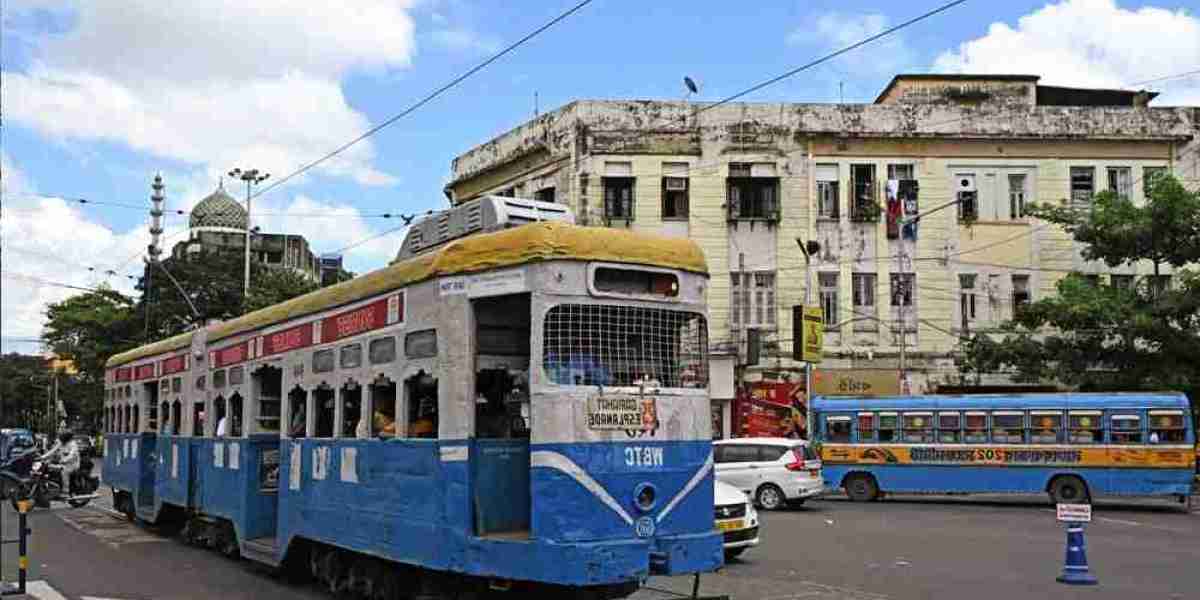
{"x": 156, "y": 213}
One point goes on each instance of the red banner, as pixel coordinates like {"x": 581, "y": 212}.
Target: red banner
{"x": 123, "y": 374}
{"x": 354, "y": 322}
{"x": 174, "y": 364}
{"x": 288, "y": 339}
{"x": 232, "y": 355}
{"x": 771, "y": 409}
{"x": 145, "y": 371}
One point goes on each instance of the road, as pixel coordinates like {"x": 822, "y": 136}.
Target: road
{"x": 981, "y": 549}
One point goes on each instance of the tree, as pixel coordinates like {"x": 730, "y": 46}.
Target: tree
{"x": 272, "y": 285}
{"x": 23, "y": 390}
{"x": 1098, "y": 336}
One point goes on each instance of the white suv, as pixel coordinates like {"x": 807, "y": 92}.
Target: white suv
{"x": 773, "y": 471}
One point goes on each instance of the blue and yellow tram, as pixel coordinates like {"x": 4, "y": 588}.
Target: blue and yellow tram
{"x": 524, "y": 408}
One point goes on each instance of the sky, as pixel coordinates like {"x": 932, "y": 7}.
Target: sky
{"x": 99, "y": 96}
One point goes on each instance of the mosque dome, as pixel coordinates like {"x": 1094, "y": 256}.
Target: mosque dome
{"x": 218, "y": 209}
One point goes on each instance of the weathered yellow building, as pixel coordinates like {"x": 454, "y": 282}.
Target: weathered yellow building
{"x": 747, "y": 180}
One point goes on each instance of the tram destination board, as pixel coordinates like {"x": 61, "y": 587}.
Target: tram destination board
{"x": 618, "y": 412}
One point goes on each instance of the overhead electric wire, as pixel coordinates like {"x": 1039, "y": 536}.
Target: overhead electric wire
{"x": 45, "y": 282}
{"x": 146, "y": 208}
{"x": 423, "y": 101}
{"x": 1163, "y": 78}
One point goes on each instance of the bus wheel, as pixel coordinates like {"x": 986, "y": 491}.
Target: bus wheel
{"x": 861, "y": 487}
{"x": 1069, "y": 489}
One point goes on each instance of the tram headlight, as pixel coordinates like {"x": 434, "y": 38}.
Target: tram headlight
{"x": 645, "y": 496}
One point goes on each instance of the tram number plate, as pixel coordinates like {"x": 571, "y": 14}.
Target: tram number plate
{"x": 730, "y": 525}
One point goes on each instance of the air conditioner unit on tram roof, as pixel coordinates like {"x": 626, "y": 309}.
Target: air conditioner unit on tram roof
{"x": 481, "y": 215}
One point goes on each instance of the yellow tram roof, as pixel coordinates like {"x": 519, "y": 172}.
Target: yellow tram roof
{"x": 531, "y": 243}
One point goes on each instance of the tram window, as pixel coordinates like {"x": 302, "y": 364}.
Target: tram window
{"x": 322, "y": 361}
{"x": 298, "y": 403}
{"x": 1045, "y": 427}
{"x": 1126, "y": 429}
{"x": 976, "y": 430}
{"x": 163, "y": 412}
{"x": 421, "y": 344}
{"x": 198, "y": 419}
{"x": 164, "y": 386}
{"x": 887, "y": 427}
{"x": 837, "y": 428}
{"x": 382, "y": 350}
{"x": 351, "y": 356}
{"x": 135, "y": 426}
{"x": 383, "y": 408}
{"x": 422, "y": 395}
{"x": 269, "y": 382}
{"x": 949, "y": 424}
{"x": 323, "y": 399}
{"x": 636, "y": 282}
{"x": 1008, "y": 427}
{"x": 176, "y": 416}
{"x": 918, "y": 427}
{"x": 176, "y": 385}
{"x": 237, "y": 375}
{"x": 220, "y": 411}
{"x": 1086, "y": 429}
{"x": 1167, "y": 427}
{"x": 235, "y": 415}
{"x": 200, "y": 382}
{"x": 866, "y": 427}
{"x": 219, "y": 379}
{"x": 352, "y": 425}
{"x": 128, "y": 392}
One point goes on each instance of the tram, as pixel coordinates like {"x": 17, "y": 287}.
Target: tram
{"x": 515, "y": 403}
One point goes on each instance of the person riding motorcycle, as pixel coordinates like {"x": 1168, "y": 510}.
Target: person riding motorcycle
{"x": 65, "y": 455}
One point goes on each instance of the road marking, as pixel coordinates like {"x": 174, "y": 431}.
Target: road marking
{"x": 42, "y": 591}
{"x": 1120, "y": 521}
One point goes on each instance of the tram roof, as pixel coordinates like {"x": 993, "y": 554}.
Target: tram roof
{"x": 532, "y": 243}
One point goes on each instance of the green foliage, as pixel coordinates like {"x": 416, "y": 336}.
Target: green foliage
{"x": 270, "y": 285}
{"x": 22, "y": 390}
{"x": 1095, "y": 336}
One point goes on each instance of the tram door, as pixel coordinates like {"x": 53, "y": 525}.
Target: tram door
{"x": 148, "y": 440}
{"x": 500, "y": 466}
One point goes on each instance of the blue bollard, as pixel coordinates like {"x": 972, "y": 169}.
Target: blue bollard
{"x": 1075, "y": 571}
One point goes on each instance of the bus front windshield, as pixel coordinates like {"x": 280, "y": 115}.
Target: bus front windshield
{"x": 613, "y": 345}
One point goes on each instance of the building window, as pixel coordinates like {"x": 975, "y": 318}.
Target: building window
{"x": 902, "y": 288}
{"x": 545, "y": 194}
{"x": 1020, "y": 292}
{"x": 1016, "y": 197}
{"x": 1083, "y": 185}
{"x": 1120, "y": 181}
{"x": 864, "y": 204}
{"x": 752, "y": 300}
{"x": 829, "y": 299}
{"x": 618, "y": 197}
{"x": 827, "y": 192}
{"x": 966, "y": 299}
{"x": 675, "y": 191}
{"x": 967, "y": 196}
{"x": 1121, "y": 282}
{"x": 900, "y": 171}
{"x": 863, "y": 297}
{"x": 1159, "y": 284}
{"x": 1149, "y": 174}
{"x": 753, "y": 192}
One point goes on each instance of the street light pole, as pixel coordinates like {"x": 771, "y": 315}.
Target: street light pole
{"x": 252, "y": 178}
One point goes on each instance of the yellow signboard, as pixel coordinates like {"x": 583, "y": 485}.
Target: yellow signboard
{"x": 812, "y": 334}
{"x": 856, "y": 382}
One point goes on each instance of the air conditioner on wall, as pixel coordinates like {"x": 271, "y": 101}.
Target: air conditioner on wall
{"x": 964, "y": 183}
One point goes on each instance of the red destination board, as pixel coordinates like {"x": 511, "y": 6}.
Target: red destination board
{"x": 174, "y": 364}
{"x": 123, "y": 374}
{"x": 288, "y": 339}
{"x": 145, "y": 371}
{"x": 354, "y": 322}
{"x": 232, "y": 355}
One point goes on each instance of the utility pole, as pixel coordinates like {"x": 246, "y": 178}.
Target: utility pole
{"x": 252, "y": 178}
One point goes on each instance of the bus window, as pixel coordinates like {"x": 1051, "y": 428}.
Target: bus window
{"x": 1167, "y": 426}
{"x": 866, "y": 427}
{"x": 887, "y": 427}
{"x": 976, "y": 430}
{"x": 918, "y": 427}
{"x": 1126, "y": 429}
{"x": 949, "y": 424}
{"x": 1085, "y": 428}
{"x": 1008, "y": 427}
{"x": 1045, "y": 427}
{"x": 837, "y": 428}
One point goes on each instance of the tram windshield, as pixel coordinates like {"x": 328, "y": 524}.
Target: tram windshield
{"x": 608, "y": 345}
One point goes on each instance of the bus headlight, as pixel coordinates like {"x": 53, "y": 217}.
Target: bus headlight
{"x": 645, "y": 496}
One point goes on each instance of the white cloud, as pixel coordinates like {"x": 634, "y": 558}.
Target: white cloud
{"x": 214, "y": 83}
{"x": 345, "y": 225}
{"x": 465, "y": 40}
{"x": 1090, "y": 43}
{"x": 835, "y": 30}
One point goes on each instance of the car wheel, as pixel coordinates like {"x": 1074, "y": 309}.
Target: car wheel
{"x": 733, "y": 553}
{"x": 861, "y": 488}
{"x": 769, "y": 497}
{"x": 1069, "y": 489}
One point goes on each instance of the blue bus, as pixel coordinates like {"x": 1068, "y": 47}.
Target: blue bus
{"x": 1072, "y": 446}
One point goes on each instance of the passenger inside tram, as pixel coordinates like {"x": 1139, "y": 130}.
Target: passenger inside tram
{"x": 351, "y": 410}
{"x": 298, "y": 400}
{"x": 383, "y": 417}
{"x": 422, "y": 391}
{"x": 324, "y": 403}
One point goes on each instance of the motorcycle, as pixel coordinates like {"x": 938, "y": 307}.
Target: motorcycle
{"x": 44, "y": 485}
